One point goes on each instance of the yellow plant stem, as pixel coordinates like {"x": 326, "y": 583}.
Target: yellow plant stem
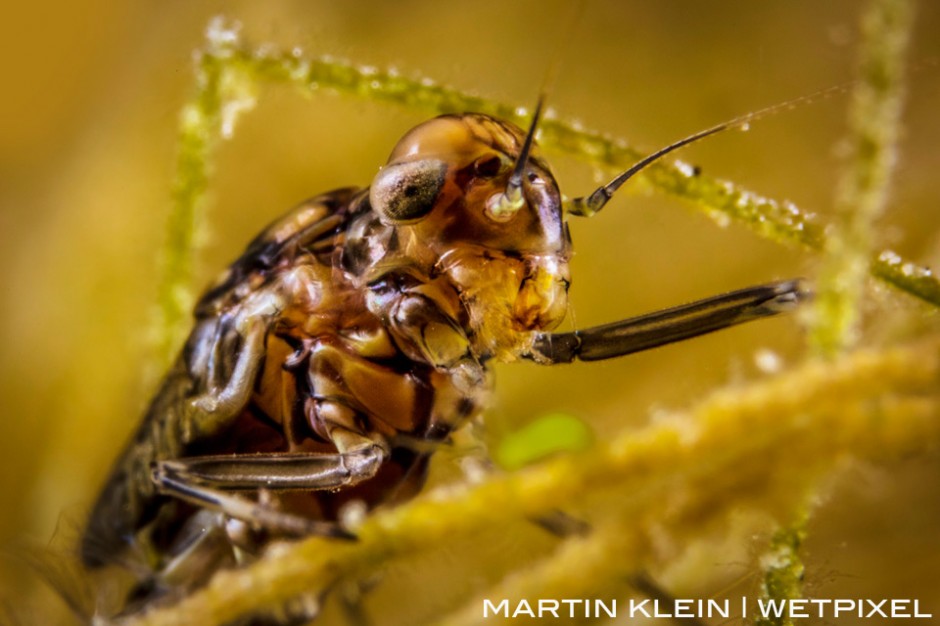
{"x": 759, "y": 446}
{"x": 784, "y": 569}
{"x": 874, "y": 122}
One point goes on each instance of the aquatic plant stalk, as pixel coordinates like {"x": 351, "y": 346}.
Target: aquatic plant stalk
{"x": 761, "y": 447}
{"x": 230, "y": 72}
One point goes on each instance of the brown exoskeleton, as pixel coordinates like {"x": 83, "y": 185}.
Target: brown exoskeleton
{"x": 354, "y": 334}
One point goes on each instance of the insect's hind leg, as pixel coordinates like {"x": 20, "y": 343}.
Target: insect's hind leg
{"x": 203, "y": 481}
{"x": 669, "y": 325}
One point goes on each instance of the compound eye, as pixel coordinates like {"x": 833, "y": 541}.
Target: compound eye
{"x": 406, "y": 192}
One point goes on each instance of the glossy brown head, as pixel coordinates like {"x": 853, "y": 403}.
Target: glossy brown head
{"x": 445, "y": 175}
{"x": 444, "y": 191}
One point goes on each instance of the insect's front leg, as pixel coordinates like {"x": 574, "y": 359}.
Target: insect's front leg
{"x": 669, "y": 325}
{"x": 423, "y": 317}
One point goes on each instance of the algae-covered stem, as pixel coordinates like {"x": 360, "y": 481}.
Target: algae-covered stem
{"x": 228, "y": 75}
{"x": 874, "y": 120}
{"x": 698, "y": 452}
{"x": 862, "y": 194}
{"x": 230, "y": 71}
{"x": 200, "y": 128}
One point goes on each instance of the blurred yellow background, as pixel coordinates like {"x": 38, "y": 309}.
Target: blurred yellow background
{"x": 87, "y": 132}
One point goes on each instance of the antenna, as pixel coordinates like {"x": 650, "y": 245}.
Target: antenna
{"x": 587, "y": 206}
{"x": 511, "y": 200}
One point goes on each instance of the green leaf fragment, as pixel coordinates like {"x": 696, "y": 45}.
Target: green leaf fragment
{"x": 542, "y": 438}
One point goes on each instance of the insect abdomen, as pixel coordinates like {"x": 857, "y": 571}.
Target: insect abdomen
{"x": 129, "y": 500}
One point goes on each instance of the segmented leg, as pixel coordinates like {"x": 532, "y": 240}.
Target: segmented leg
{"x": 347, "y": 389}
{"x": 202, "y": 548}
{"x": 662, "y": 327}
{"x": 344, "y": 389}
{"x": 214, "y": 409}
{"x": 427, "y": 329}
{"x": 275, "y": 472}
{"x": 174, "y": 478}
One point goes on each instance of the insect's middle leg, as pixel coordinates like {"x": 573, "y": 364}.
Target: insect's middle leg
{"x": 204, "y": 481}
